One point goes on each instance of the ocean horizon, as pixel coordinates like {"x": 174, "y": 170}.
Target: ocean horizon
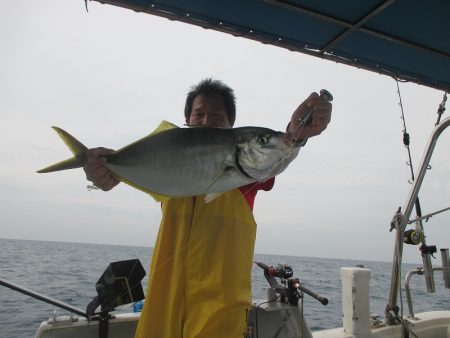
{"x": 151, "y": 247}
{"x": 68, "y": 271}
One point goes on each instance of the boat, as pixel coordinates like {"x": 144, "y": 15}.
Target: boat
{"x": 280, "y": 315}
{"x": 377, "y": 36}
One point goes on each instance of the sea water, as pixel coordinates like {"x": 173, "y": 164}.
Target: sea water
{"x": 68, "y": 272}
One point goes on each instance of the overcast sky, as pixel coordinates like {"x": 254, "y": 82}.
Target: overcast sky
{"x": 109, "y": 76}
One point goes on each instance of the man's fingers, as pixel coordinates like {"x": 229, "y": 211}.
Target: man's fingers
{"x": 305, "y": 105}
{"x": 107, "y": 182}
{"x": 94, "y": 169}
{"x": 321, "y": 114}
{"x": 95, "y": 153}
{"x": 101, "y": 177}
{"x": 97, "y": 174}
{"x": 320, "y": 117}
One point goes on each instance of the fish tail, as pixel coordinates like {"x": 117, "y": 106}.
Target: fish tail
{"x": 77, "y": 149}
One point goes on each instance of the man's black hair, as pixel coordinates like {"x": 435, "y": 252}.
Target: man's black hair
{"x": 208, "y": 87}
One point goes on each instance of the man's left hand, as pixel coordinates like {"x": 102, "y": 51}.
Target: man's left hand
{"x": 318, "y": 122}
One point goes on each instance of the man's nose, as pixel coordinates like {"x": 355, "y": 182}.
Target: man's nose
{"x": 206, "y": 121}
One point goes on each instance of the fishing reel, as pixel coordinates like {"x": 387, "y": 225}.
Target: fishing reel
{"x": 290, "y": 289}
{"x": 413, "y": 237}
{"x": 282, "y": 271}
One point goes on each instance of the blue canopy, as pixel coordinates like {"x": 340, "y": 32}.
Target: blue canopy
{"x": 406, "y": 39}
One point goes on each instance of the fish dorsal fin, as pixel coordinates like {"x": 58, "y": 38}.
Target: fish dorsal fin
{"x": 163, "y": 126}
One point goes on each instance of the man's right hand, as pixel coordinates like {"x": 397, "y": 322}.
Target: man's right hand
{"x": 96, "y": 170}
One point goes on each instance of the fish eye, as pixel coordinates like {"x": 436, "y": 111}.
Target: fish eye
{"x": 263, "y": 139}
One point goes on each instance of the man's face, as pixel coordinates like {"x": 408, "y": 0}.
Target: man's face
{"x": 209, "y": 111}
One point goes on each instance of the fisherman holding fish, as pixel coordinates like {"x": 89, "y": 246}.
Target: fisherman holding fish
{"x": 200, "y": 276}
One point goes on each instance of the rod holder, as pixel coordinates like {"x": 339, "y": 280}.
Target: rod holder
{"x": 445, "y": 267}
{"x": 418, "y": 271}
{"x": 406, "y": 213}
{"x": 428, "y": 273}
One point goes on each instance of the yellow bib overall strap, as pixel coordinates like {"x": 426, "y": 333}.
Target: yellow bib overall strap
{"x": 200, "y": 281}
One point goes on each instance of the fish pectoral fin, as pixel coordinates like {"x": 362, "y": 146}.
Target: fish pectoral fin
{"x": 229, "y": 162}
{"x": 209, "y": 197}
{"x": 212, "y": 196}
{"x": 226, "y": 170}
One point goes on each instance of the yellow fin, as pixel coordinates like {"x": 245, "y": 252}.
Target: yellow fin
{"x": 157, "y": 197}
{"x": 70, "y": 163}
{"x": 163, "y": 126}
{"x": 76, "y": 147}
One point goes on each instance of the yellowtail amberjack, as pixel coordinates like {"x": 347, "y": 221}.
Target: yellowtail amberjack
{"x": 179, "y": 162}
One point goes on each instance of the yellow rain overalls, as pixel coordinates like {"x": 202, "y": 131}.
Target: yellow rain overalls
{"x": 202, "y": 262}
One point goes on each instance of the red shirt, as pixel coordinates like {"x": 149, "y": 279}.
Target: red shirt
{"x": 249, "y": 191}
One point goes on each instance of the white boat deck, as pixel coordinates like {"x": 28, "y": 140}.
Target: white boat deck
{"x": 281, "y": 320}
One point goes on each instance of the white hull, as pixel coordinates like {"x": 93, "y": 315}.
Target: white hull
{"x": 435, "y": 324}
{"x": 278, "y": 319}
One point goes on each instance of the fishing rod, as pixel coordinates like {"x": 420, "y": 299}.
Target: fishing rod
{"x": 42, "y": 297}
{"x": 400, "y": 221}
{"x": 412, "y": 236}
{"x": 416, "y": 236}
{"x": 294, "y": 287}
{"x": 120, "y": 284}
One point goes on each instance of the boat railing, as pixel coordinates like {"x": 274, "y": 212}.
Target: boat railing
{"x": 418, "y": 271}
{"x": 401, "y": 220}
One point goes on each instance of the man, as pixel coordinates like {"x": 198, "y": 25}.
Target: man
{"x": 200, "y": 277}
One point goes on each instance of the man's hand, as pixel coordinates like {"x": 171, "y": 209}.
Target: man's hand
{"x": 97, "y": 172}
{"x": 320, "y": 118}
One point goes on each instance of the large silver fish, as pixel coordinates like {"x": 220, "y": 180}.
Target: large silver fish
{"x": 178, "y": 162}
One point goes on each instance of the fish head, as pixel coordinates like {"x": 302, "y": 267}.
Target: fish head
{"x": 261, "y": 150}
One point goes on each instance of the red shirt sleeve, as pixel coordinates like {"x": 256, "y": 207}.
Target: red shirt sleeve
{"x": 249, "y": 191}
